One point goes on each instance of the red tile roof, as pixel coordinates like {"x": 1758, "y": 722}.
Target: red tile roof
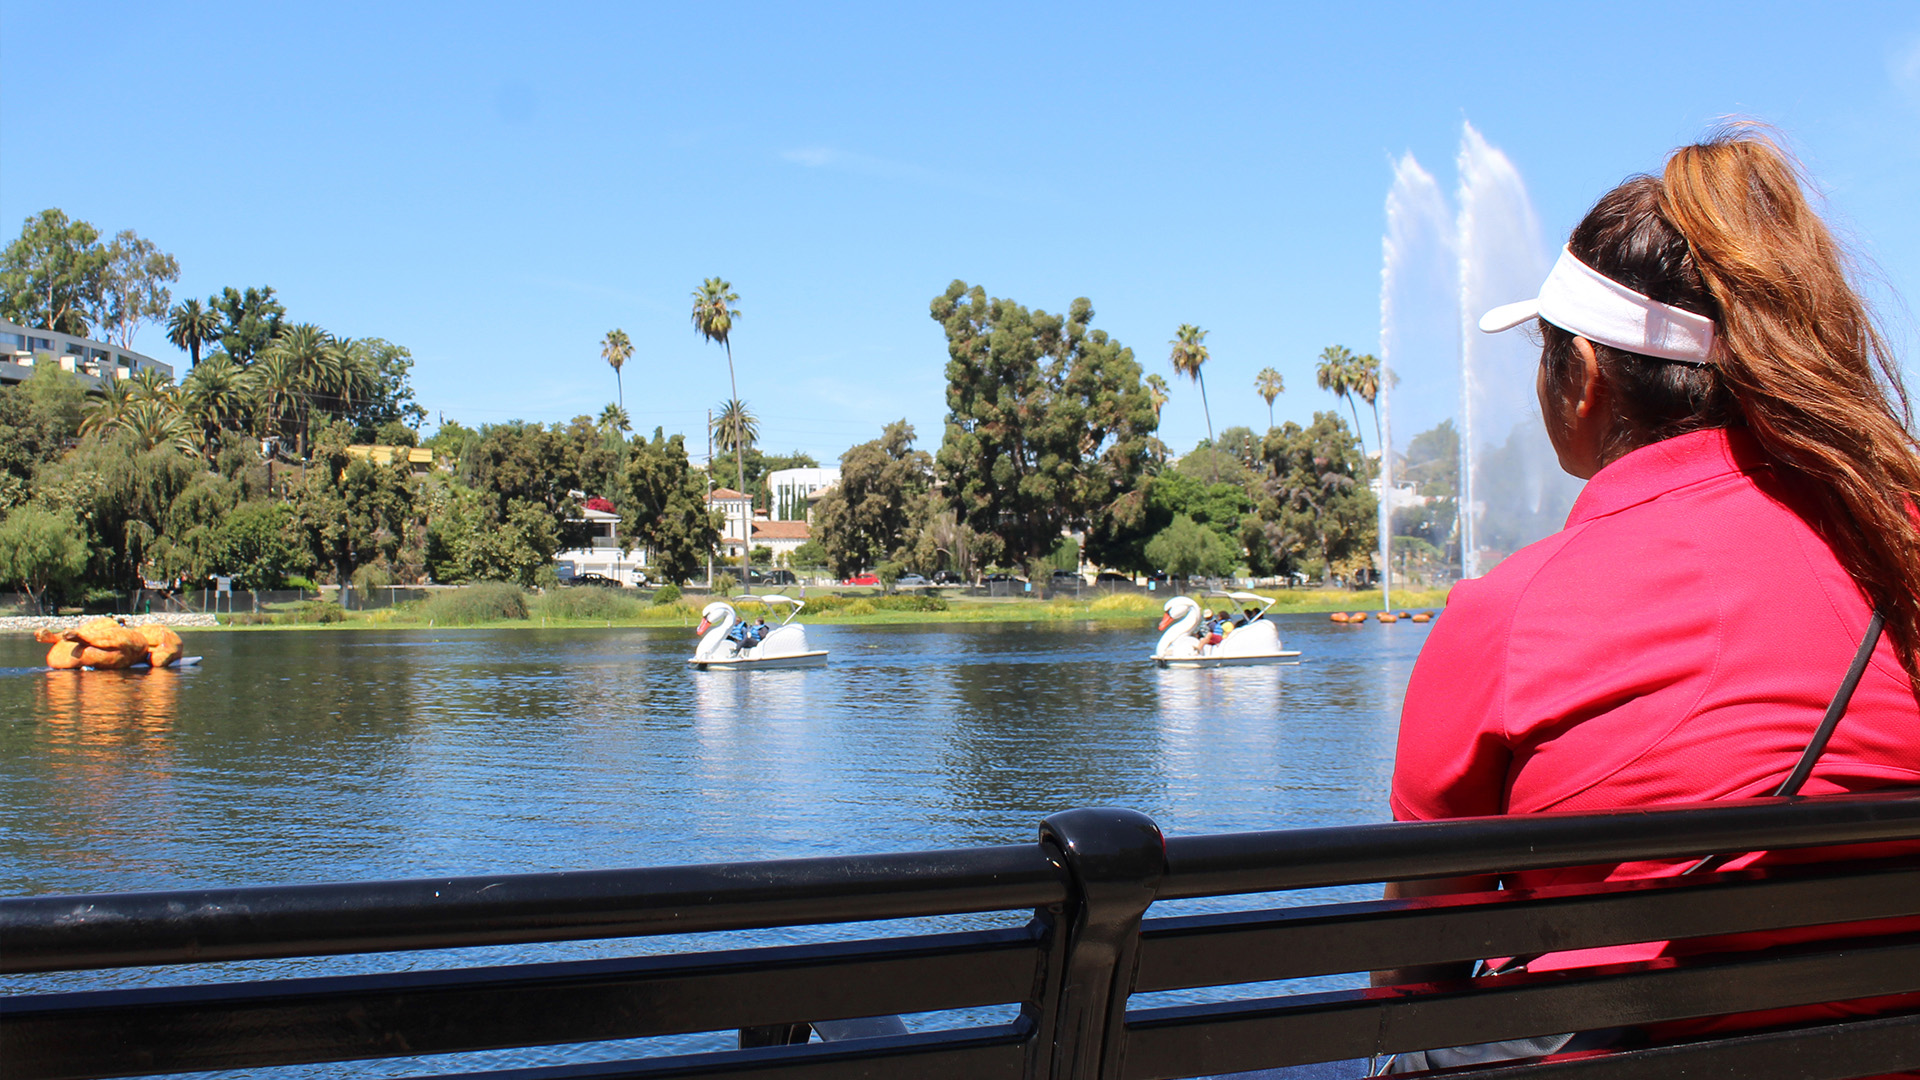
{"x": 781, "y": 530}
{"x": 724, "y": 493}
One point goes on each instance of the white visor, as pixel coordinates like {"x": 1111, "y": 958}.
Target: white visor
{"x": 1580, "y": 300}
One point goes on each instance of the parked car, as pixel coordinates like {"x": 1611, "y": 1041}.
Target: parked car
{"x": 1067, "y": 577}
{"x": 999, "y": 575}
{"x": 862, "y": 579}
{"x": 947, "y": 577}
{"x": 1111, "y": 577}
{"x": 602, "y": 580}
{"x": 779, "y": 577}
{"x": 908, "y": 580}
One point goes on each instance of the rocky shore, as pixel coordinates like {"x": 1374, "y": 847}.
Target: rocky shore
{"x": 30, "y": 623}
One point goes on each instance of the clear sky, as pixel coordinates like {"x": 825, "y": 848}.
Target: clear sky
{"x": 497, "y": 186}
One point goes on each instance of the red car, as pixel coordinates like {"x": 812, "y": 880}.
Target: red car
{"x": 862, "y": 579}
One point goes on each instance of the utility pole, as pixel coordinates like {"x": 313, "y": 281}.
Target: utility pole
{"x": 709, "y": 506}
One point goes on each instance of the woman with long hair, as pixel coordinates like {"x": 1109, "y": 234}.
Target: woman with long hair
{"x": 1710, "y": 369}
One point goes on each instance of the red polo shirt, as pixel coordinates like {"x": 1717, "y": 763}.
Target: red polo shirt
{"x": 1677, "y": 642}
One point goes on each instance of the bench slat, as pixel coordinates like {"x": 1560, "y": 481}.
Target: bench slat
{"x": 1844, "y": 1050}
{"x": 55, "y": 933}
{"x": 1265, "y": 946}
{"x": 227, "y": 1026}
{"x": 1230, "y": 863}
{"x": 1205, "y": 1039}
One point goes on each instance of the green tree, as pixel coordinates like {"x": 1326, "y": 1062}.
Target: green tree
{"x": 1343, "y": 375}
{"x": 31, "y": 435}
{"x": 736, "y": 430}
{"x": 121, "y": 488}
{"x": 1314, "y": 501}
{"x": 191, "y": 325}
{"x": 41, "y": 549}
{"x": 716, "y": 307}
{"x": 380, "y": 376}
{"x": 1186, "y": 548}
{"x": 51, "y": 275}
{"x": 616, "y": 349}
{"x": 300, "y": 359}
{"x": 1269, "y": 385}
{"x": 353, "y": 511}
{"x": 1189, "y": 356}
{"x": 105, "y": 404}
{"x": 133, "y": 286}
{"x": 1048, "y": 423}
{"x": 1157, "y": 394}
{"x": 863, "y": 520}
{"x": 251, "y": 320}
{"x": 213, "y": 397}
{"x": 664, "y": 508}
{"x": 614, "y": 421}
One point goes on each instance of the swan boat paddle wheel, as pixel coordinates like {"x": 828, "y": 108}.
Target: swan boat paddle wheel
{"x": 783, "y": 646}
{"x": 1184, "y": 644}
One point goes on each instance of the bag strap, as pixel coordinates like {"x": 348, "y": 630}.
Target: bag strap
{"x": 1802, "y": 769}
{"x": 1816, "y": 746}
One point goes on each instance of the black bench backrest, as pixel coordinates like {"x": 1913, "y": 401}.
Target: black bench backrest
{"x": 1070, "y": 971}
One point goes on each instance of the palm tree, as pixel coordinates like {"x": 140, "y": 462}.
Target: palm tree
{"x": 106, "y": 404}
{"x": 715, "y": 307}
{"x": 306, "y": 359}
{"x": 1188, "y": 357}
{"x": 190, "y": 325}
{"x": 616, "y": 350}
{"x": 157, "y": 424}
{"x": 1363, "y": 377}
{"x": 1157, "y": 393}
{"x": 213, "y": 395}
{"x": 1336, "y": 375}
{"x": 1270, "y": 385}
{"x": 613, "y": 418}
{"x": 150, "y": 385}
{"x": 735, "y": 428}
{"x": 273, "y": 384}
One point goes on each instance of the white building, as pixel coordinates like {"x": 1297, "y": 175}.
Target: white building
{"x": 601, "y": 553}
{"x": 736, "y": 527}
{"x": 793, "y": 490}
{"x": 24, "y": 348}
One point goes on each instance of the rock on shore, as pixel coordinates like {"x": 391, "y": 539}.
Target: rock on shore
{"x": 30, "y": 623}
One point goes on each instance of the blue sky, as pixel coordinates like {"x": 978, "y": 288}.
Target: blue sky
{"x": 495, "y": 187}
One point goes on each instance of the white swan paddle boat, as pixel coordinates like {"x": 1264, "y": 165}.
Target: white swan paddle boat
{"x": 785, "y": 645}
{"x": 1256, "y": 642}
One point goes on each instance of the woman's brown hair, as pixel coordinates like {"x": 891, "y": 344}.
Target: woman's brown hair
{"x": 1727, "y": 232}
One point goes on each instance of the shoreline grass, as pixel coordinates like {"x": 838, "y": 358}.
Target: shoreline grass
{"x": 597, "y": 609}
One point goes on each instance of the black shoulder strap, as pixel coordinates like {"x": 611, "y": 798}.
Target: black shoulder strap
{"x": 1818, "y": 744}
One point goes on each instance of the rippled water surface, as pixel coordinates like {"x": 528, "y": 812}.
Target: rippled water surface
{"x": 355, "y": 755}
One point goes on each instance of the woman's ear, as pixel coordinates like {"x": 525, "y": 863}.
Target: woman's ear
{"x": 1587, "y": 379}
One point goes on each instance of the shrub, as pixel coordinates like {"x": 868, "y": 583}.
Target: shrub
{"x": 489, "y": 601}
{"x": 1120, "y": 601}
{"x": 724, "y": 584}
{"x": 862, "y": 606}
{"x": 318, "y": 611}
{"x": 913, "y": 602}
{"x": 587, "y": 603}
{"x": 666, "y": 594}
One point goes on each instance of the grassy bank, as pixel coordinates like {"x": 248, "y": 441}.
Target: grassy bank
{"x": 504, "y": 606}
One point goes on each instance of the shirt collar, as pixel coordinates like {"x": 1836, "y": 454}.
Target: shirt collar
{"x": 1654, "y": 470}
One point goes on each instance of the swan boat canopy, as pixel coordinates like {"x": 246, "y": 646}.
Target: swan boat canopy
{"x": 783, "y": 646}
{"x": 1182, "y": 644}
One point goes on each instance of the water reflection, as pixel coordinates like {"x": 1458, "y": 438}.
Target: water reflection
{"x": 355, "y": 755}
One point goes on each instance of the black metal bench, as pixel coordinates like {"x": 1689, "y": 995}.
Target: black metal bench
{"x": 1063, "y": 979}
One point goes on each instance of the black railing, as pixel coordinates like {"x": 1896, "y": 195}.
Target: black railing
{"x": 1069, "y": 972}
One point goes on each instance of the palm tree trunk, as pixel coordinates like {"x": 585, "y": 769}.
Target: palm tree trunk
{"x": 1213, "y": 466}
{"x": 739, "y": 446}
{"x": 620, "y": 389}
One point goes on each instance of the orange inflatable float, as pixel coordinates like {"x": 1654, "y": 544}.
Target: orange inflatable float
{"x": 109, "y": 644}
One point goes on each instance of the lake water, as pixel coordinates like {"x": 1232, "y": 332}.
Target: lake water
{"x": 360, "y": 755}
